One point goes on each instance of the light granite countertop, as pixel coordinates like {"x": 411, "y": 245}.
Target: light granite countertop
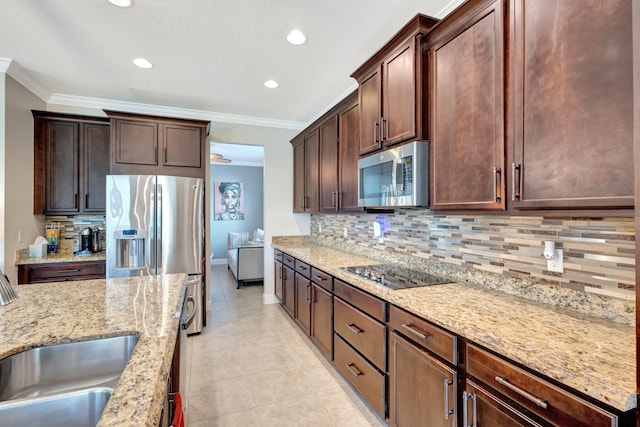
{"x": 150, "y": 306}
{"x": 22, "y": 258}
{"x": 588, "y": 354}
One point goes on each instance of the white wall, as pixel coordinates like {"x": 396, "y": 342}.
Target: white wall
{"x": 17, "y": 173}
{"x": 279, "y": 219}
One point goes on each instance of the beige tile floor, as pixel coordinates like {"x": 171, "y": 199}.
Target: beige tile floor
{"x": 253, "y": 366}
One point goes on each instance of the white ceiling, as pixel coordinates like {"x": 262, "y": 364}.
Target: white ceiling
{"x": 210, "y": 57}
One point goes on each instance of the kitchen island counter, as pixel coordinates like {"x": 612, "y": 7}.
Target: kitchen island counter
{"x": 22, "y": 258}
{"x": 149, "y": 306}
{"x": 593, "y": 356}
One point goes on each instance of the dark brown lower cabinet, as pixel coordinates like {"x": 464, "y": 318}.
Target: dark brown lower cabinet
{"x": 303, "y": 302}
{"x": 288, "y": 290}
{"x": 362, "y": 375}
{"x": 60, "y": 272}
{"x": 322, "y": 319}
{"x": 279, "y": 276}
{"x": 482, "y": 408}
{"x": 422, "y": 390}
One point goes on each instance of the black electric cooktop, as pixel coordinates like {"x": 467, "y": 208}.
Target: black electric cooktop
{"x": 396, "y": 277}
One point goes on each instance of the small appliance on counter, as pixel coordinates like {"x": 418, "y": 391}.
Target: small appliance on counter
{"x": 86, "y": 242}
{"x": 53, "y": 237}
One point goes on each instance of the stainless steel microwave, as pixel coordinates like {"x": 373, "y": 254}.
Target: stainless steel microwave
{"x": 397, "y": 177}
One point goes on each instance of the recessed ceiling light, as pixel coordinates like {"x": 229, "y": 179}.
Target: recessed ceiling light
{"x": 121, "y": 3}
{"x": 271, "y": 84}
{"x": 296, "y": 37}
{"x": 142, "y": 63}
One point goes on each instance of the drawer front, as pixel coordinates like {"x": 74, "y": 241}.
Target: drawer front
{"x": 322, "y": 279}
{"x": 425, "y": 334}
{"x": 361, "y": 331}
{"x": 539, "y": 396}
{"x": 303, "y": 268}
{"x": 277, "y": 255}
{"x": 67, "y": 270}
{"x": 365, "y": 302}
{"x": 289, "y": 260}
{"x": 361, "y": 374}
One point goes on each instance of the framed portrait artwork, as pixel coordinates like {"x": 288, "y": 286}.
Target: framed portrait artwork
{"x": 228, "y": 201}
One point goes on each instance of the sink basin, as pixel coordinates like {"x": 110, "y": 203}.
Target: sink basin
{"x": 71, "y": 409}
{"x": 65, "y": 367}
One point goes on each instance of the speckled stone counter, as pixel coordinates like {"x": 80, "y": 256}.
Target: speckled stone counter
{"x": 22, "y": 258}
{"x": 588, "y": 354}
{"x": 53, "y": 313}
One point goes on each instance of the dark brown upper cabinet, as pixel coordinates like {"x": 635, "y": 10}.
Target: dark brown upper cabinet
{"x": 305, "y": 171}
{"x": 71, "y": 161}
{"x": 466, "y": 102}
{"x": 391, "y": 90}
{"x": 572, "y": 104}
{"x": 142, "y": 144}
{"x": 349, "y": 142}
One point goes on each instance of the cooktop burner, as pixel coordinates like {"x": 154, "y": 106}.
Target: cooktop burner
{"x": 394, "y": 276}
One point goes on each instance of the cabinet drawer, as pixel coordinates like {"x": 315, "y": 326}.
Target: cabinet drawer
{"x": 303, "y": 268}
{"x": 539, "y": 396}
{"x": 66, "y": 271}
{"x": 361, "y": 331}
{"x": 288, "y": 260}
{"x": 277, "y": 255}
{"x": 361, "y": 374}
{"x": 425, "y": 334}
{"x": 365, "y": 302}
{"x": 322, "y": 279}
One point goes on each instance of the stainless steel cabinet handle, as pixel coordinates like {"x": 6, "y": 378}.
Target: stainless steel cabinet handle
{"x": 496, "y": 184}
{"x": 416, "y": 333}
{"x": 385, "y": 130}
{"x": 308, "y": 293}
{"x": 71, "y": 270}
{"x": 75, "y": 201}
{"x": 447, "y": 411}
{"x": 505, "y": 382}
{"x": 86, "y": 200}
{"x": 376, "y": 134}
{"x": 354, "y": 369}
{"x": 465, "y": 412}
{"x": 354, "y": 328}
{"x": 516, "y": 191}
{"x": 319, "y": 278}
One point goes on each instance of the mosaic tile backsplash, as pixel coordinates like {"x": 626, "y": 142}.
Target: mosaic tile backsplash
{"x": 599, "y": 254}
{"x": 70, "y": 228}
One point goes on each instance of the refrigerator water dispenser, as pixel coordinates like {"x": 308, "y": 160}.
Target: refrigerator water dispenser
{"x": 130, "y": 249}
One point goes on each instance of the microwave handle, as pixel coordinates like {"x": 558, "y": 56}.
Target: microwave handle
{"x": 394, "y": 177}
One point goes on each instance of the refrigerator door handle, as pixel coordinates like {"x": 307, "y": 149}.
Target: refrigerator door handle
{"x": 159, "y": 202}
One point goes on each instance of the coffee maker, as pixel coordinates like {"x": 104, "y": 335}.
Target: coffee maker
{"x": 86, "y": 241}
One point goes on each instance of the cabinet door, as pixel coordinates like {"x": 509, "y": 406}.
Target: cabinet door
{"x": 303, "y": 303}
{"x": 399, "y": 95}
{"x": 182, "y": 146}
{"x": 328, "y": 165}
{"x": 135, "y": 142}
{"x": 311, "y": 171}
{"x": 279, "y": 276}
{"x": 482, "y": 408}
{"x": 62, "y": 179}
{"x": 466, "y": 98}
{"x": 370, "y": 98}
{"x": 573, "y": 104}
{"x": 289, "y": 291}
{"x": 95, "y": 166}
{"x": 422, "y": 390}
{"x": 322, "y": 319}
{"x": 349, "y": 141}
{"x": 298, "y": 177}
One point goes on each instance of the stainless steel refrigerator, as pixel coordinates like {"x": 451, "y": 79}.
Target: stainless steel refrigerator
{"x": 155, "y": 225}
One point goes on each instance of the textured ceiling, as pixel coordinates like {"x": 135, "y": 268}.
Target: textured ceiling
{"x": 208, "y": 55}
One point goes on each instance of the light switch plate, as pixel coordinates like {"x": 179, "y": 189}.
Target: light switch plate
{"x": 557, "y": 263}
{"x": 344, "y": 232}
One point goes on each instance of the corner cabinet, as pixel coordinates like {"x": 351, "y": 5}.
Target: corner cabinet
{"x": 71, "y": 162}
{"x": 391, "y": 90}
{"x": 573, "y": 112}
{"x": 142, "y": 144}
{"x": 466, "y": 109}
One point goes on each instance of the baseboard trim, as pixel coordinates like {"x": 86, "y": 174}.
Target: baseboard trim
{"x": 219, "y": 261}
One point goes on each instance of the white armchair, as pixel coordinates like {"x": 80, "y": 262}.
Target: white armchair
{"x": 245, "y": 257}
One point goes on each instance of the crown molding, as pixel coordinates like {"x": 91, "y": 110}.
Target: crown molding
{"x": 160, "y": 110}
{"x": 19, "y": 74}
{"x": 340, "y": 97}
{"x": 448, "y": 8}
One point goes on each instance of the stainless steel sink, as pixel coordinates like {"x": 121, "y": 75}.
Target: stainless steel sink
{"x": 71, "y": 409}
{"x": 65, "y": 367}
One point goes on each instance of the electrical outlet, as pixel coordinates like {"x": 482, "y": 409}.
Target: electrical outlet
{"x": 557, "y": 263}
{"x": 19, "y": 236}
{"x": 344, "y": 232}
{"x": 319, "y": 228}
